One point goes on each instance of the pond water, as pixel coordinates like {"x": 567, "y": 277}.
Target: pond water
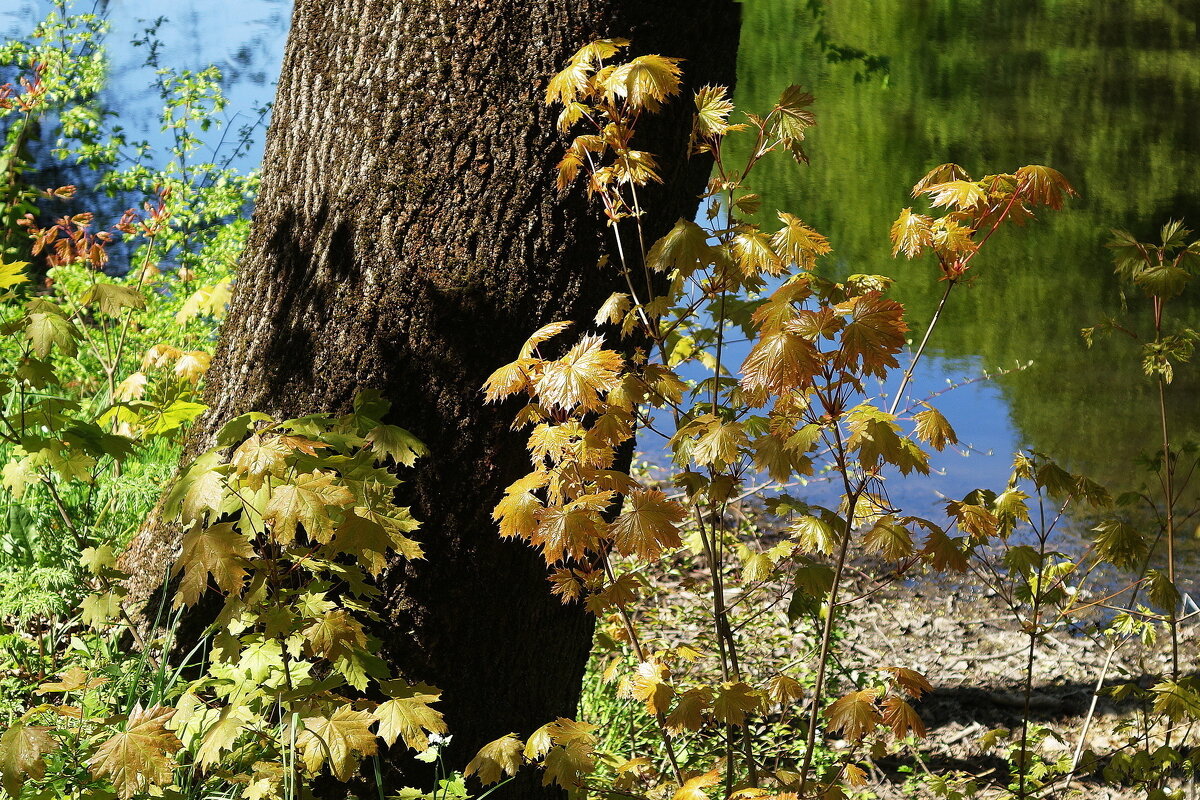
{"x": 1104, "y": 92}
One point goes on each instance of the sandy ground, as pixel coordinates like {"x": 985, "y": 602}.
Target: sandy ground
{"x": 975, "y": 656}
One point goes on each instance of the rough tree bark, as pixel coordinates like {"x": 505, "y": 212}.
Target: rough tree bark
{"x": 408, "y": 237}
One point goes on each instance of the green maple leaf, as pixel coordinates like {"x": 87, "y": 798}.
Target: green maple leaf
{"x": 402, "y": 446}
{"x": 140, "y": 756}
{"x": 219, "y": 551}
{"x": 18, "y": 476}
{"x": 222, "y": 734}
{"x": 21, "y": 750}
{"x": 112, "y": 298}
{"x": 407, "y": 715}
{"x": 337, "y": 739}
{"x": 97, "y": 609}
{"x": 306, "y": 501}
{"x": 47, "y": 330}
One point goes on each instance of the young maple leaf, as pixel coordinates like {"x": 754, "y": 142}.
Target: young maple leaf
{"x": 797, "y": 243}
{"x": 258, "y": 457}
{"x": 565, "y": 765}
{"x": 1120, "y": 543}
{"x": 111, "y": 298}
{"x": 783, "y": 689}
{"x": 363, "y": 537}
{"x": 22, "y": 748}
{"x": 408, "y": 715}
{"x": 911, "y": 233}
{"x": 734, "y": 701}
{"x": 509, "y": 379}
{"x": 902, "y": 718}
{"x": 944, "y": 552}
{"x": 397, "y": 443}
{"x": 565, "y": 531}
{"x": 337, "y": 738}
{"x": 192, "y": 365}
{"x": 888, "y": 538}
{"x": 517, "y": 514}
{"x": 12, "y": 273}
{"x": 934, "y": 428}
{"x": 496, "y": 759}
{"x": 973, "y": 518}
{"x": 617, "y": 594}
{"x": 306, "y": 501}
{"x": 779, "y": 363}
{"x": 222, "y": 734}
{"x": 753, "y": 254}
{"x": 912, "y": 682}
{"x": 540, "y": 335}
{"x": 854, "y": 714}
{"x": 720, "y": 443}
{"x": 140, "y": 756}
{"x": 218, "y": 550}
{"x": 648, "y": 524}
{"x": 649, "y": 685}
{"x": 963, "y": 195}
{"x": 873, "y": 335}
{"x": 688, "y": 713}
{"x": 693, "y": 788}
{"x": 1044, "y": 186}
{"x": 202, "y": 489}
{"x": 571, "y": 83}
{"x": 335, "y": 635}
{"x": 943, "y": 173}
{"x": 684, "y": 248}
{"x": 645, "y": 81}
{"x": 712, "y": 112}
{"x": 951, "y": 240}
{"x": 580, "y": 377}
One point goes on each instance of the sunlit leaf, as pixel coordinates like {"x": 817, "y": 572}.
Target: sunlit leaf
{"x": 219, "y": 551}
{"x": 854, "y": 714}
{"x": 911, "y": 233}
{"x": 22, "y": 748}
{"x": 496, "y": 759}
{"x": 1044, "y": 186}
{"x": 140, "y": 756}
{"x": 338, "y": 739}
{"x": 648, "y": 525}
{"x": 650, "y": 686}
{"x": 902, "y": 718}
{"x": 408, "y": 715}
{"x": 734, "y": 701}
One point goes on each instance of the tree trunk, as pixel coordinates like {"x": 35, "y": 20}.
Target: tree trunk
{"x": 408, "y": 237}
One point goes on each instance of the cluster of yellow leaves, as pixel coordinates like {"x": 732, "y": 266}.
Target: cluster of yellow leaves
{"x": 271, "y": 514}
{"x": 974, "y": 210}
{"x": 567, "y": 505}
{"x": 565, "y": 748}
{"x": 610, "y": 97}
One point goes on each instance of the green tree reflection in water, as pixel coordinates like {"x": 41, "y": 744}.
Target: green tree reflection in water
{"x": 1105, "y": 92}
